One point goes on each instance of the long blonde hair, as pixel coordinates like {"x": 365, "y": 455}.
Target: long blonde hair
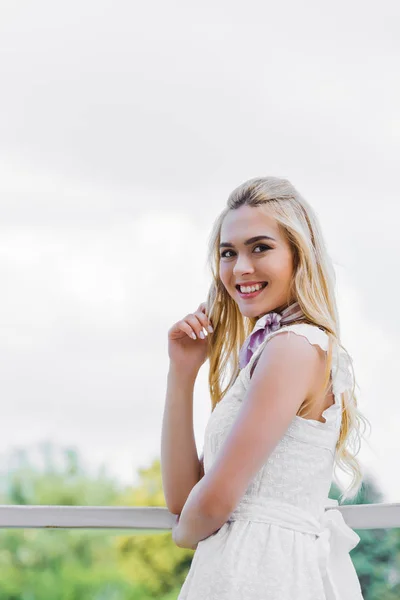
{"x": 313, "y": 287}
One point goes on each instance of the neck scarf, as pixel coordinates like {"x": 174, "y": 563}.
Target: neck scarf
{"x": 265, "y": 324}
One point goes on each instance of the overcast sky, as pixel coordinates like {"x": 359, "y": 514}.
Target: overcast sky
{"x": 123, "y": 129}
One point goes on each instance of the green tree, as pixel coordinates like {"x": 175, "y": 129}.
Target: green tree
{"x": 152, "y": 558}
{"x": 58, "y": 564}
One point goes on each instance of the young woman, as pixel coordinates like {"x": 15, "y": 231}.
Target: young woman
{"x": 254, "y": 507}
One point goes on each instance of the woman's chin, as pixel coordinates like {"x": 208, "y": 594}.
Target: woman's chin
{"x": 255, "y": 312}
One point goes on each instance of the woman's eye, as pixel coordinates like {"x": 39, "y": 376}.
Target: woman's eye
{"x": 223, "y": 254}
{"x": 263, "y": 246}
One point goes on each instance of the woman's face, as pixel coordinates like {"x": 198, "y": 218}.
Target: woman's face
{"x": 265, "y": 260}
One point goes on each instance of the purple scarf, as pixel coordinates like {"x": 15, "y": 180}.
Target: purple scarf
{"x": 265, "y": 324}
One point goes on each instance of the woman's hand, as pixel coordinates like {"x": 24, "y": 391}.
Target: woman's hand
{"x": 185, "y": 352}
{"x": 177, "y": 536}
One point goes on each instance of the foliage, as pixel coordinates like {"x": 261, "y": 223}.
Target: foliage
{"x": 152, "y": 559}
{"x": 376, "y": 557}
{"x": 58, "y": 564}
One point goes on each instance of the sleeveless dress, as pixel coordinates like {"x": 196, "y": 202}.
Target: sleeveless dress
{"x": 280, "y": 543}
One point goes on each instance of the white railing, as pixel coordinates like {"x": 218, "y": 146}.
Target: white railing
{"x": 356, "y": 516}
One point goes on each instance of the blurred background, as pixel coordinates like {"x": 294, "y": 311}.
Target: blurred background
{"x": 123, "y": 129}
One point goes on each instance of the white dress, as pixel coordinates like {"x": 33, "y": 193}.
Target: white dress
{"x": 280, "y": 543}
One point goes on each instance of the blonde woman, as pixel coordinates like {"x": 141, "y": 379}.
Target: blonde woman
{"x": 255, "y": 507}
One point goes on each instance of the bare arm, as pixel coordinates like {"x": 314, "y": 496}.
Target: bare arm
{"x": 180, "y": 464}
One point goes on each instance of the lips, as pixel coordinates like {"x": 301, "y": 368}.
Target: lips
{"x": 249, "y": 296}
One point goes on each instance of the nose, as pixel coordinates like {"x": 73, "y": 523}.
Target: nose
{"x": 243, "y": 265}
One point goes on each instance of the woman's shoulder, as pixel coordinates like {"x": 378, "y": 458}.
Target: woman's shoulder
{"x": 314, "y": 334}
{"x": 342, "y": 371}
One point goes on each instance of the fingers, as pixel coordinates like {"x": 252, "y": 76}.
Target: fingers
{"x": 204, "y": 319}
{"x": 197, "y": 324}
{"x": 194, "y": 321}
{"x": 190, "y": 326}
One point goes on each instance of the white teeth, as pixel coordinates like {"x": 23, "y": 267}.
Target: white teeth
{"x": 253, "y": 288}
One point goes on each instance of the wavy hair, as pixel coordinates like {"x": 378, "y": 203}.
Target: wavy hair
{"x": 313, "y": 287}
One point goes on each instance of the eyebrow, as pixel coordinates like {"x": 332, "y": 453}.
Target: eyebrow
{"x": 250, "y": 241}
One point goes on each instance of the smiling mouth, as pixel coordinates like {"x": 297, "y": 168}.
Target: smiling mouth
{"x": 264, "y": 284}
{"x": 251, "y": 295}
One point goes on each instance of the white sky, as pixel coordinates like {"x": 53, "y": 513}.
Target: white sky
{"x": 122, "y": 132}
